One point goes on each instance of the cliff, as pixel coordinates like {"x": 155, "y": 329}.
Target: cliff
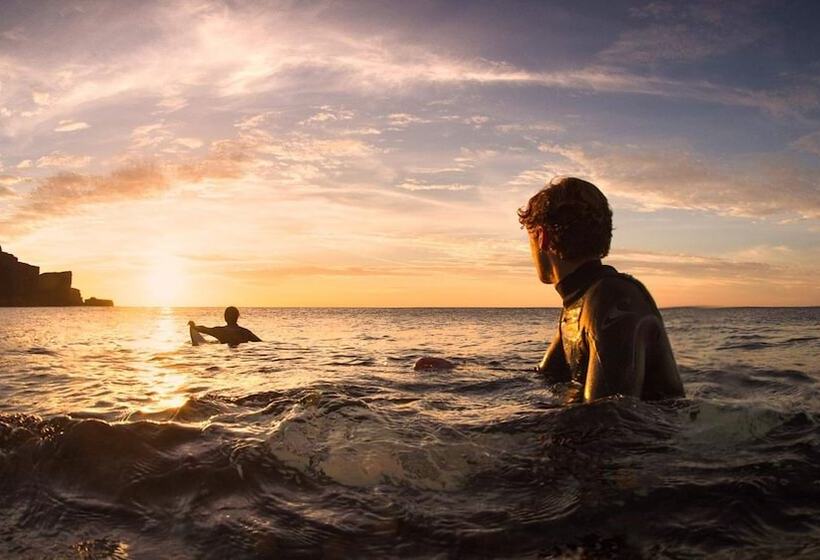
{"x": 94, "y": 302}
{"x": 22, "y": 285}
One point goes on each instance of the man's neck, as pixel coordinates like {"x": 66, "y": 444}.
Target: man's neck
{"x": 573, "y": 285}
{"x": 561, "y": 268}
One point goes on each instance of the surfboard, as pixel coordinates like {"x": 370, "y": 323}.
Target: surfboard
{"x": 196, "y": 337}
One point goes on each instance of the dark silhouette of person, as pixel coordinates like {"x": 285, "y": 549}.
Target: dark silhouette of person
{"x": 231, "y": 334}
{"x": 611, "y": 339}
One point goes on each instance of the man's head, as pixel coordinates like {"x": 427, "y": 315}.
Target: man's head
{"x": 231, "y": 315}
{"x": 568, "y": 221}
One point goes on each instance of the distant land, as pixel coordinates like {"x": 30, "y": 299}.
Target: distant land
{"x": 22, "y": 285}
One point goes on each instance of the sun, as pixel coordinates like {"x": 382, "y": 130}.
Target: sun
{"x": 164, "y": 281}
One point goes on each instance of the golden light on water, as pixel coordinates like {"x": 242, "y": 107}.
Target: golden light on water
{"x": 166, "y": 387}
{"x": 161, "y": 385}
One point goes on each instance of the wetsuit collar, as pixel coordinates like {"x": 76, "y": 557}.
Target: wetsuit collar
{"x": 576, "y": 283}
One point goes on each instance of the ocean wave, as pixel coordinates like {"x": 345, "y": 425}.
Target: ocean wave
{"x": 566, "y": 467}
{"x": 340, "y": 449}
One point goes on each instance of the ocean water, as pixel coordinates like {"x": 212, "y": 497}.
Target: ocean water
{"x": 118, "y": 439}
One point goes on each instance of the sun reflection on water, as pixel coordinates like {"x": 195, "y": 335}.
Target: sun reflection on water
{"x": 164, "y": 389}
{"x": 165, "y": 334}
{"x": 162, "y": 386}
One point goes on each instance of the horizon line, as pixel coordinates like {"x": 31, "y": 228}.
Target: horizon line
{"x": 812, "y": 306}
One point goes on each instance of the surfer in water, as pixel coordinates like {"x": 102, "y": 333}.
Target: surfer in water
{"x": 231, "y": 334}
{"x": 611, "y": 339}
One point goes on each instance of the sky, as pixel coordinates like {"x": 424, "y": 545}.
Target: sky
{"x": 358, "y": 153}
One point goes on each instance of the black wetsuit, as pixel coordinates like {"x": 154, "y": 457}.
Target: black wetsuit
{"x": 611, "y": 339}
{"x": 229, "y": 334}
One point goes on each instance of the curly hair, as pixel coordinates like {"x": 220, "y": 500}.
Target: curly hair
{"x": 576, "y": 216}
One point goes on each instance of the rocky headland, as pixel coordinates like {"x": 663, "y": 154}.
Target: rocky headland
{"x": 23, "y": 285}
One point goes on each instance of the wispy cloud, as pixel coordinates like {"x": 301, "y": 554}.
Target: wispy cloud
{"x": 41, "y": 97}
{"x": 269, "y": 54}
{"x": 327, "y": 113}
{"x": 62, "y": 161}
{"x": 686, "y": 32}
{"x": 59, "y": 194}
{"x": 674, "y": 177}
{"x": 548, "y": 127}
{"x": 358, "y": 139}
{"x": 810, "y": 143}
{"x": 415, "y": 185}
{"x": 405, "y": 119}
{"x": 751, "y": 266}
{"x": 291, "y": 159}
{"x": 67, "y": 125}
{"x": 8, "y": 180}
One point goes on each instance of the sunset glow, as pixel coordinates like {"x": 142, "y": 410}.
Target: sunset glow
{"x": 165, "y": 281}
{"x": 374, "y": 154}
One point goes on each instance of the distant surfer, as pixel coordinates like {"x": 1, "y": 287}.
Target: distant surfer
{"x": 231, "y": 334}
{"x": 611, "y": 339}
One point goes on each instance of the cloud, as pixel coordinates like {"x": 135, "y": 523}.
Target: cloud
{"x": 265, "y": 274}
{"x": 421, "y": 170}
{"x": 173, "y": 103}
{"x": 364, "y": 131}
{"x": 532, "y": 177}
{"x": 329, "y": 152}
{"x": 809, "y": 143}
{"x": 329, "y": 114}
{"x": 414, "y": 185}
{"x": 268, "y": 54}
{"x": 291, "y": 159}
{"x": 61, "y": 193}
{"x": 8, "y": 180}
{"x": 149, "y": 135}
{"x": 159, "y": 137}
{"x": 405, "y": 119}
{"x": 529, "y": 127}
{"x": 70, "y": 126}
{"x": 754, "y": 268}
{"x": 62, "y": 160}
{"x": 190, "y": 143}
{"x": 255, "y": 121}
{"x": 674, "y": 177}
{"x": 41, "y": 98}
{"x": 66, "y": 191}
{"x": 25, "y": 164}
{"x": 5, "y": 190}
{"x": 686, "y": 32}
{"x": 774, "y": 253}
{"x": 476, "y": 120}
{"x": 480, "y": 256}
{"x": 16, "y": 34}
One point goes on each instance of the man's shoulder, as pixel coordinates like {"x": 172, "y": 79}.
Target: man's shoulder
{"x": 618, "y": 289}
{"x": 248, "y": 334}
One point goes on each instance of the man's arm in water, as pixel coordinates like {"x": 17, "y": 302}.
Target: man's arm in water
{"x": 621, "y": 327}
{"x": 212, "y": 331}
{"x": 553, "y": 365}
{"x": 230, "y": 335}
